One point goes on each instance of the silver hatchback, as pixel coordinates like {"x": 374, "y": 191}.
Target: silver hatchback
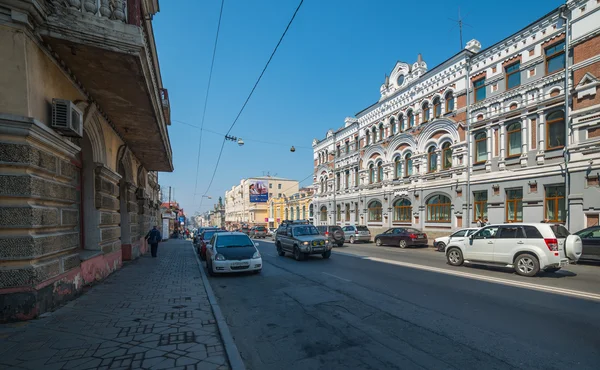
{"x": 357, "y": 233}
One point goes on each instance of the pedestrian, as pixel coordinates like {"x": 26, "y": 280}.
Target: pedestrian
{"x": 153, "y": 237}
{"x": 486, "y": 222}
{"x": 479, "y": 222}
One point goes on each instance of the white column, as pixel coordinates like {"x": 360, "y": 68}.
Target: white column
{"x": 541, "y": 132}
{"x": 489, "y": 144}
{"x": 524, "y": 130}
{"x": 503, "y": 141}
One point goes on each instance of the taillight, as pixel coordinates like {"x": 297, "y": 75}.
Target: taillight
{"x": 357, "y": 233}
{"x": 413, "y": 236}
{"x": 552, "y": 243}
{"x": 326, "y": 233}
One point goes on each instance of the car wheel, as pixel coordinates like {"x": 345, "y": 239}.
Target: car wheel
{"x": 402, "y": 244}
{"x": 299, "y": 256}
{"x": 441, "y": 246}
{"x": 327, "y": 254}
{"x": 279, "y": 250}
{"x": 352, "y": 241}
{"x": 552, "y": 269}
{"x": 527, "y": 265}
{"x": 454, "y": 257}
{"x": 378, "y": 242}
{"x": 209, "y": 267}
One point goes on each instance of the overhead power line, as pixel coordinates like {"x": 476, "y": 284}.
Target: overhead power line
{"x": 250, "y": 95}
{"x": 212, "y": 64}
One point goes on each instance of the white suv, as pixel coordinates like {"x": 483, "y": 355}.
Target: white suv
{"x": 526, "y": 247}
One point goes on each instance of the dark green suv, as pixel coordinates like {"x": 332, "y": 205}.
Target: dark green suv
{"x": 302, "y": 240}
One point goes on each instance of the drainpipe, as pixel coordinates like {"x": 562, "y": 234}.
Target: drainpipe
{"x": 468, "y": 195}
{"x": 563, "y": 15}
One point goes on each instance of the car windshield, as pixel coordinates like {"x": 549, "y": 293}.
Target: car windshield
{"x": 335, "y": 228}
{"x": 234, "y": 241}
{"x": 209, "y": 234}
{"x": 362, "y": 228}
{"x": 305, "y": 230}
{"x": 260, "y": 228}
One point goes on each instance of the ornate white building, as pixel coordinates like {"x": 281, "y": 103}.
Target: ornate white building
{"x": 486, "y": 128}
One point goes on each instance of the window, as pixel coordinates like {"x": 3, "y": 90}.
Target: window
{"x": 555, "y": 57}
{"x": 408, "y": 168}
{"x": 411, "y": 119}
{"x": 337, "y": 151}
{"x": 278, "y": 186}
{"x": 446, "y": 156}
{"x": 459, "y": 233}
{"x": 397, "y": 167}
{"x": 532, "y": 232}
{"x": 479, "y": 205}
{"x": 393, "y": 126}
{"x": 438, "y": 209}
{"x": 338, "y": 181}
{"x": 322, "y": 186}
{"x": 426, "y": 112}
{"x": 514, "y": 205}
{"x": 513, "y": 75}
{"x": 287, "y": 214}
{"x": 347, "y": 147}
{"x": 347, "y": 179}
{"x": 304, "y": 212}
{"x": 555, "y": 203}
{"x": 323, "y": 213}
{"x": 432, "y": 159}
{"x": 347, "y": 211}
{"x": 381, "y": 132}
{"x": 480, "y": 147}
{"x": 270, "y": 185}
{"x": 291, "y": 213}
{"x": 449, "y": 102}
{"x": 310, "y": 210}
{"x": 510, "y": 232}
{"x": 555, "y": 130}
{"x": 367, "y": 138}
{"x": 375, "y": 211}
{"x": 338, "y": 213}
{"x": 270, "y": 195}
{"x": 356, "y": 144}
{"x": 356, "y": 212}
{"x": 403, "y": 210}
{"x": 479, "y": 86}
{"x": 487, "y": 233}
{"x": 437, "y": 108}
{"x": 513, "y": 131}
{"x": 372, "y": 174}
{"x": 400, "y": 123}
{"x": 356, "y": 178}
{"x": 279, "y": 195}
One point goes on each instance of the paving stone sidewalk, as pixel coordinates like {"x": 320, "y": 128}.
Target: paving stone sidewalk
{"x": 153, "y": 314}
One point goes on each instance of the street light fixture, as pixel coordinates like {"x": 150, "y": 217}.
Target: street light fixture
{"x": 207, "y": 196}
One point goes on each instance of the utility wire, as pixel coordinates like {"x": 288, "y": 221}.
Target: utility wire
{"x": 249, "y": 96}
{"x": 212, "y": 64}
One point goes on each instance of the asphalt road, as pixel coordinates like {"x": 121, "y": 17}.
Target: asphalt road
{"x": 385, "y": 308}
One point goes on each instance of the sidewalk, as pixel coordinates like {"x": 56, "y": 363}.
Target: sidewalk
{"x": 153, "y": 313}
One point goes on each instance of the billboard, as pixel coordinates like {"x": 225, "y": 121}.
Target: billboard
{"x": 259, "y": 191}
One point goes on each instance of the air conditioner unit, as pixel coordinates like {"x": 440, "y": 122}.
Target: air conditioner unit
{"x": 67, "y": 118}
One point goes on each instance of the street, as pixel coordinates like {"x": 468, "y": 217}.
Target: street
{"x": 365, "y": 308}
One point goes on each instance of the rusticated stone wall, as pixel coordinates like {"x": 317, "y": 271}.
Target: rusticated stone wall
{"x": 107, "y": 203}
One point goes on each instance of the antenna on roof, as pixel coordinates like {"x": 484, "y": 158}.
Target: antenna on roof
{"x": 460, "y": 23}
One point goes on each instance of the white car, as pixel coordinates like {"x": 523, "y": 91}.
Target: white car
{"x": 460, "y": 235}
{"x": 229, "y": 252}
{"x": 526, "y": 247}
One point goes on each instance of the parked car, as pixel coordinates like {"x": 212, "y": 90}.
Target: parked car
{"x": 460, "y": 235}
{"x": 245, "y": 229}
{"x": 204, "y": 239}
{"x": 302, "y": 240}
{"x": 228, "y": 252}
{"x": 334, "y": 233}
{"x": 258, "y": 232}
{"x": 357, "y": 233}
{"x": 198, "y": 234}
{"x": 526, "y": 247}
{"x": 402, "y": 237}
{"x": 590, "y": 238}
{"x": 271, "y": 232}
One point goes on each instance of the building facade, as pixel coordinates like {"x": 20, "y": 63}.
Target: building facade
{"x": 83, "y": 133}
{"x": 486, "y": 134}
{"x": 295, "y": 207}
{"x": 240, "y": 211}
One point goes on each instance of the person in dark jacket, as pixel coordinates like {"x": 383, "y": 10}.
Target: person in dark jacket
{"x": 153, "y": 237}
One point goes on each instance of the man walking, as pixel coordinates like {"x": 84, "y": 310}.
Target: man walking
{"x": 153, "y": 237}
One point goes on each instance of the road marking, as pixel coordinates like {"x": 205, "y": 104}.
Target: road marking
{"x": 350, "y": 254}
{"x": 337, "y": 277}
{"x": 519, "y": 284}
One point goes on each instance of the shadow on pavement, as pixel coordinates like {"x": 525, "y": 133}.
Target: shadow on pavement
{"x": 554, "y": 275}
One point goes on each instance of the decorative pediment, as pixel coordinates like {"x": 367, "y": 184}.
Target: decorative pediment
{"x": 402, "y": 75}
{"x": 587, "y": 86}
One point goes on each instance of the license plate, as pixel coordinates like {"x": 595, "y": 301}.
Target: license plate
{"x": 564, "y": 263}
{"x": 317, "y": 249}
{"x": 421, "y": 236}
{"x": 238, "y": 264}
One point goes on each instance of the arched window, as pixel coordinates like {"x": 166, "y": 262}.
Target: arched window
{"x": 446, "y": 156}
{"x": 379, "y": 172}
{"x": 411, "y": 119}
{"x": 402, "y": 210}
{"x": 397, "y": 167}
{"x": 555, "y": 130}
{"x": 401, "y": 123}
{"x": 408, "y": 167}
{"x": 437, "y": 108}
{"x": 374, "y": 134}
{"x": 367, "y": 138}
{"x": 432, "y": 159}
{"x": 323, "y": 214}
{"x": 291, "y": 213}
{"x": 438, "y": 209}
{"x": 310, "y": 211}
{"x": 513, "y": 144}
{"x": 480, "y": 147}
{"x": 304, "y": 212}
{"x": 372, "y": 174}
{"x": 375, "y": 211}
{"x": 298, "y": 212}
{"x": 322, "y": 185}
{"x": 381, "y": 132}
{"x": 393, "y": 126}
{"x": 449, "y": 101}
{"x": 425, "y": 112}
{"x": 287, "y": 214}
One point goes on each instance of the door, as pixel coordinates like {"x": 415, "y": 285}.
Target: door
{"x": 508, "y": 239}
{"x": 386, "y": 236}
{"x": 591, "y": 243}
{"x": 481, "y": 246}
{"x": 396, "y": 236}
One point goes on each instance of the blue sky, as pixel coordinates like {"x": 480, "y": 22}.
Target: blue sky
{"x": 330, "y": 66}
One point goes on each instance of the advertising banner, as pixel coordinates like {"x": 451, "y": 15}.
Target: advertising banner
{"x": 259, "y": 191}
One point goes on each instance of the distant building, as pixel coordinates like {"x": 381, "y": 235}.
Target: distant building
{"x": 298, "y": 206}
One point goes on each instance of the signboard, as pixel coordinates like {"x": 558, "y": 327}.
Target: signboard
{"x": 266, "y": 219}
{"x": 259, "y": 191}
{"x": 182, "y": 219}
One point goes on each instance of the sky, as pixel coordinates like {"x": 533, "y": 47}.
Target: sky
{"x": 329, "y": 66}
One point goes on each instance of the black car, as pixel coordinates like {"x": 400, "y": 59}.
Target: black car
{"x": 402, "y": 237}
{"x": 590, "y": 238}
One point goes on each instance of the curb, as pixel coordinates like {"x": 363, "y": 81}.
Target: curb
{"x": 233, "y": 354}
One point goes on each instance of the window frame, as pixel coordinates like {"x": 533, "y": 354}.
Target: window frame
{"x": 437, "y": 105}
{"x": 323, "y": 214}
{"x": 397, "y": 167}
{"x": 372, "y": 173}
{"x": 411, "y": 119}
{"x": 516, "y": 202}
{"x": 555, "y": 199}
{"x": 478, "y": 85}
{"x": 347, "y": 212}
{"x": 402, "y": 210}
{"x": 549, "y": 122}
{"x": 378, "y": 210}
{"x": 431, "y": 153}
{"x": 556, "y": 54}
{"x": 449, "y": 97}
{"x": 476, "y": 143}
{"x": 407, "y": 159}
{"x": 393, "y": 126}
{"x": 446, "y": 147}
{"x": 381, "y": 132}
{"x": 480, "y": 203}
{"x": 379, "y": 172}
{"x": 426, "y": 112}
{"x": 508, "y": 74}
{"x": 439, "y": 210}
{"x": 514, "y": 132}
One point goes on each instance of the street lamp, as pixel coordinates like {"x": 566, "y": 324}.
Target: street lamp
{"x": 207, "y": 196}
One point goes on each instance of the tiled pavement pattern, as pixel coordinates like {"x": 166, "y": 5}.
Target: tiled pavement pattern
{"x": 151, "y": 314}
